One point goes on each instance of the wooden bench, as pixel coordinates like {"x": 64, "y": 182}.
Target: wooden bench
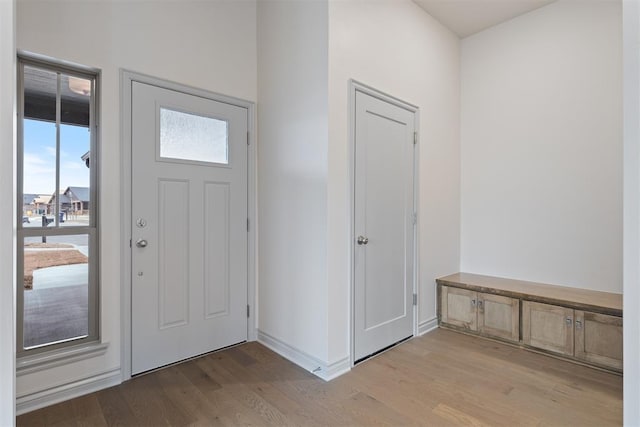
{"x": 577, "y": 324}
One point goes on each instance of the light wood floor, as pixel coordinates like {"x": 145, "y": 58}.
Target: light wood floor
{"x": 442, "y": 378}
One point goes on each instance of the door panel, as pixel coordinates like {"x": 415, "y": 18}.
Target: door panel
{"x": 189, "y": 241}
{"x": 548, "y": 327}
{"x": 216, "y": 249}
{"x": 459, "y": 307}
{"x": 384, "y": 195}
{"x": 599, "y": 338}
{"x": 173, "y": 249}
{"x": 498, "y": 316}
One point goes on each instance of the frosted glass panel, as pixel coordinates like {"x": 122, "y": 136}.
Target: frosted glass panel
{"x": 187, "y": 136}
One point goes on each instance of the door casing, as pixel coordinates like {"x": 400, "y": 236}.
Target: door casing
{"x": 355, "y": 86}
{"x": 127, "y": 77}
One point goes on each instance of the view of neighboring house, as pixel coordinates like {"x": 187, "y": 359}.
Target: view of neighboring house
{"x": 78, "y": 199}
{"x": 28, "y": 205}
{"x": 62, "y": 199}
{"x": 36, "y": 204}
{"x": 72, "y": 200}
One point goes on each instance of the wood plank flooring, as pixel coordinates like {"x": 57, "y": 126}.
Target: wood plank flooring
{"x": 440, "y": 379}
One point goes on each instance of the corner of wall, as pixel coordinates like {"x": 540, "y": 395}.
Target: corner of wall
{"x": 293, "y": 175}
{"x": 324, "y": 370}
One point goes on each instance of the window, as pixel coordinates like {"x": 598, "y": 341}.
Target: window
{"x": 192, "y": 137}
{"x": 57, "y": 206}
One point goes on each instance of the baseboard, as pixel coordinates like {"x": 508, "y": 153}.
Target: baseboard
{"x": 427, "y": 326}
{"x": 335, "y": 369}
{"x": 40, "y": 399}
{"x": 326, "y": 371}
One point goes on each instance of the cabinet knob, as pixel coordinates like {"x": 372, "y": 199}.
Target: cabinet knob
{"x": 473, "y": 303}
{"x": 578, "y": 324}
{"x": 362, "y": 240}
{"x": 569, "y": 321}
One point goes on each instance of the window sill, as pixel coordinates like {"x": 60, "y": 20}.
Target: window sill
{"x": 40, "y": 362}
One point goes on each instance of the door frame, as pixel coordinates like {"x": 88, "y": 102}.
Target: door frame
{"x": 354, "y": 87}
{"x": 127, "y": 78}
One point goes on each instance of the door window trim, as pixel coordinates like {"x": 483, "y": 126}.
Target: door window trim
{"x": 127, "y": 78}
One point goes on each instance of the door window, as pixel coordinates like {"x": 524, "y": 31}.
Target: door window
{"x": 186, "y": 136}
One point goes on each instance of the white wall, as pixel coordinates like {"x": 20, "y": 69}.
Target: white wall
{"x": 7, "y": 213}
{"x": 542, "y": 147}
{"x": 306, "y": 56}
{"x": 631, "y": 16}
{"x": 395, "y": 47}
{"x": 292, "y": 174}
{"x": 209, "y": 45}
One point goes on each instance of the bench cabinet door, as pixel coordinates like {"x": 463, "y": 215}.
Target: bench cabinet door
{"x": 547, "y": 327}
{"x": 459, "y": 307}
{"x": 499, "y": 316}
{"x": 599, "y": 339}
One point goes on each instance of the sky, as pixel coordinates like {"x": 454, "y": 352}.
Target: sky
{"x": 40, "y": 157}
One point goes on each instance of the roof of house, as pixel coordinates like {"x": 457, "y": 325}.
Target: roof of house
{"x": 86, "y": 158}
{"x": 27, "y": 199}
{"x": 62, "y": 197}
{"x": 76, "y": 194}
{"x": 42, "y": 198}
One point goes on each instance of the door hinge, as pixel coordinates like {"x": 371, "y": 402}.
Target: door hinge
{"x": 415, "y": 218}
{"x": 248, "y": 310}
{"x": 247, "y": 224}
{"x": 415, "y": 138}
{"x": 415, "y": 299}
{"x": 129, "y": 242}
{"x": 248, "y": 139}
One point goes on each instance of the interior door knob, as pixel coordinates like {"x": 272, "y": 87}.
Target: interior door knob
{"x": 362, "y": 240}
{"x": 141, "y": 243}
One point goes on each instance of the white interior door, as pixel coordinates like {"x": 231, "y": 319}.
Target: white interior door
{"x": 384, "y": 224}
{"x": 189, "y": 226}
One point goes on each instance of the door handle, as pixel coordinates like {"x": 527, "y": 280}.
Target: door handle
{"x": 362, "y": 240}
{"x": 141, "y": 243}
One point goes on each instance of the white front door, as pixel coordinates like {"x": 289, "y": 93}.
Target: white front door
{"x": 384, "y": 224}
{"x": 189, "y": 226}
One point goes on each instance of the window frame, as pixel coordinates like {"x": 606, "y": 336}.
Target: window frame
{"x": 25, "y": 59}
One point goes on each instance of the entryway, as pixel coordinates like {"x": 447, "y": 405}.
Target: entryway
{"x": 189, "y": 223}
{"x": 384, "y": 220}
